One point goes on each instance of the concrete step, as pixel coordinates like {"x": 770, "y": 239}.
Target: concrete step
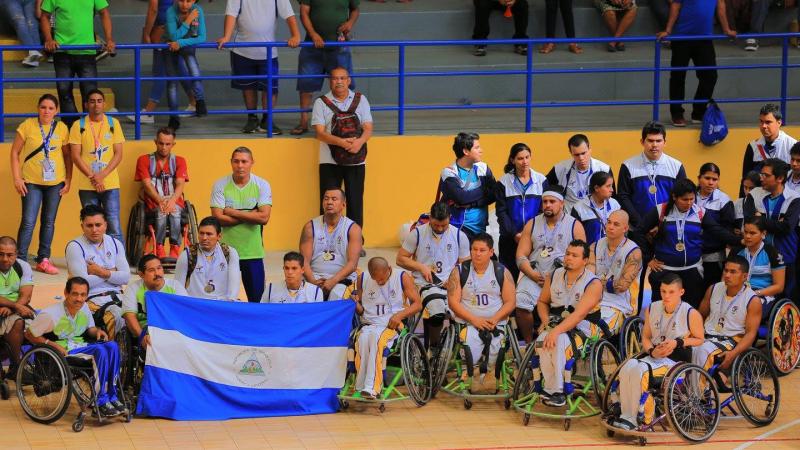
{"x": 23, "y": 100}
{"x": 11, "y": 55}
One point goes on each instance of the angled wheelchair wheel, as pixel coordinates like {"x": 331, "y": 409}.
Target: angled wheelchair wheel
{"x": 123, "y": 340}
{"x": 43, "y": 384}
{"x": 611, "y": 390}
{"x": 783, "y": 336}
{"x": 692, "y": 402}
{"x": 524, "y": 382}
{"x": 755, "y": 387}
{"x": 604, "y": 362}
{"x": 191, "y": 214}
{"x": 630, "y": 338}
{"x": 136, "y": 238}
{"x": 416, "y": 369}
{"x": 440, "y": 359}
{"x": 81, "y": 383}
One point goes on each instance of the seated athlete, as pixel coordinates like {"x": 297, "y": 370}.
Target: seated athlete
{"x": 671, "y": 328}
{"x": 380, "y": 302}
{"x": 210, "y": 268}
{"x": 99, "y": 259}
{"x": 134, "y": 308}
{"x": 569, "y": 304}
{"x": 431, "y": 251}
{"x": 732, "y": 313}
{"x": 293, "y": 288}
{"x": 16, "y": 289}
{"x": 616, "y": 260}
{"x": 331, "y": 245}
{"x": 480, "y": 292}
{"x": 68, "y": 321}
{"x": 767, "y": 274}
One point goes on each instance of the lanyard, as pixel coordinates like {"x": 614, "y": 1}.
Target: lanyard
{"x": 550, "y": 234}
{"x": 330, "y": 240}
{"x": 604, "y": 255}
{"x": 98, "y": 151}
{"x": 47, "y": 138}
{"x": 662, "y": 331}
{"x": 583, "y": 185}
{"x": 751, "y": 258}
{"x": 723, "y": 310}
{"x": 385, "y": 293}
{"x": 569, "y": 290}
{"x": 680, "y": 224}
{"x": 211, "y": 269}
{"x": 601, "y": 213}
{"x": 652, "y": 167}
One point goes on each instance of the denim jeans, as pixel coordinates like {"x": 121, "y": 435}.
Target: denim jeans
{"x": 47, "y": 198}
{"x": 180, "y": 62}
{"x": 22, "y": 14}
{"x": 109, "y": 201}
{"x": 175, "y": 229}
{"x": 73, "y": 66}
{"x": 160, "y": 70}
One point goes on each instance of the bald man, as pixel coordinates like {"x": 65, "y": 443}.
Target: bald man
{"x": 380, "y": 302}
{"x": 617, "y": 261}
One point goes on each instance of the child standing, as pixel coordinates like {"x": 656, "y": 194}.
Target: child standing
{"x": 186, "y": 27}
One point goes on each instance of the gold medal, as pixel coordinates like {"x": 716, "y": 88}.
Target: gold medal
{"x": 718, "y": 328}
{"x": 327, "y": 256}
{"x": 680, "y": 246}
{"x": 209, "y": 288}
{"x": 653, "y": 189}
{"x": 545, "y": 253}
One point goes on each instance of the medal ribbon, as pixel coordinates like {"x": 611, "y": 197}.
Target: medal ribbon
{"x": 330, "y": 240}
{"x": 582, "y": 181}
{"x": 680, "y": 224}
{"x": 751, "y": 258}
{"x": 96, "y": 137}
{"x": 212, "y": 268}
{"x": 570, "y": 290}
{"x": 652, "y": 167}
{"x": 550, "y": 234}
{"x": 47, "y": 138}
{"x": 604, "y": 256}
{"x": 662, "y": 331}
{"x": 601, "y": 213}
{"x": 723, "y": 310}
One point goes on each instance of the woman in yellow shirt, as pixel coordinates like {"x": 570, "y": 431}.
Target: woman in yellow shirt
{"x": 41, "y": 165}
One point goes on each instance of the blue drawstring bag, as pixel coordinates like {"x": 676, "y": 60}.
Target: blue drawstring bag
{"x": 715, "y": 127}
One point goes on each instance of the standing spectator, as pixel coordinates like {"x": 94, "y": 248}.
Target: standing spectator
{"x": 186, "y": 27}
{"x": 660, "y": 9}
{"x": 574, "y": 174}
{"x": 618, "y": 16}
{"x": 96, "y": 145}
{"x": 758, "y": 18}
{"x": 75, "y": 27}
{"x": 519, "y": 199}
{"x": 696, "y": 18}
{"x": 773, "y": 143}
{"x": 163, "y": 176}
{"x": 242, "y": 202}
{"x": 324, "y": 21}
{"x": 42, "y": 176}
{"x": 519, "y": 11}
{"x": 255, "y": 21}
{"x": 343, "y": 141}
{"x": 22, "y": 14}
{"x": 740, "y": 13}
{"x": 551, "y": 12}
{"x": 468, "y": 186}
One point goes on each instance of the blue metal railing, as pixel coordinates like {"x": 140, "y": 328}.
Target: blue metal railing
{"x": 402, "y": 75}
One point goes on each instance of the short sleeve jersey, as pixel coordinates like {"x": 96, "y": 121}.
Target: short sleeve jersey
{"x": 97, "y": 148}
{"x": 34, "y": 136}
{"x": 439, "y": 252}
{"x": 161, "y": 173}
{"x": 75, "y": 21}
{"x": 246, "y": 238}
{"x": 255, "y": 22}
{"x": 133, "y": 299}
{"x": 766, "y": 259}
{"x": 321, "y": 114}
{"x": 328, "y": 15}
{"x": 11, "y": 282}
{"x": 68, "y": 329}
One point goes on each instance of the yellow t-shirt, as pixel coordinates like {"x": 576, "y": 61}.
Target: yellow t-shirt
{"x": 89, "y": 149}
{"x": 32, "y": 170}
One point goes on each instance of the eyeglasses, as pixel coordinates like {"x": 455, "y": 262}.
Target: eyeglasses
{"x": 765, "y": 175}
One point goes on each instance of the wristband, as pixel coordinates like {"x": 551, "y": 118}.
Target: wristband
{"x": 679, "y": 343}
{"x": 650, "y": 352}
{"x": 610, "y": 285}
{"x": 142, "y": 335}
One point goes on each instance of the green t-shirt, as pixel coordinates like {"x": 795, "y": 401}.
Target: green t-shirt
{"x": 74, "y": 21}
{"x": 327, "y": 15}
{"x": 11, "y": 282}
{"x": 133, "y": 298}
{"x": 69, "y": 330}
{"x": 246, "y": 238}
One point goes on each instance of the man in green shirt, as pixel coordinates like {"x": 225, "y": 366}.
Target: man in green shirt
{"x": 16, "y": 287}
{"x": 242, "y": 202}
{"x": 75, "y": 27}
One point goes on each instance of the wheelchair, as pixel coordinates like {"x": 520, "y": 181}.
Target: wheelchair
{"x": 5, "y": 391}
{"x": 131, "y": 365}
{"x": 688, "y": 399}
{"x": 593, "y": 362}
{"x": 450, "y": 363}
{"x": 47, "y": 381}
{"x": 140, "y": 237}
{"x": 779, "y": 335}
{"x": 407, "y": 364}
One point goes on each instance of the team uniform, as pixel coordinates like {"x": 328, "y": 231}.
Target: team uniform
{"x": 719, "y": 207}
{"x": 110, "y": 255}
{"x": 482, "y": 296}
{"x": 441, "y": 253}
{"x": 637, "y": 406}
{"x": 134, "y": 300}
{"x": 615, "y": 306}
{"x": 594, "y": 217}
{"x": 549, "y": 246}
{"x": 758, "y": 150}
{"x": 643, "y": 184}
{"x": 556, "y": 363}
{"x": 19, "y": 275}
{"x": 162, "y": 176}
{"x": 215, "y": 275}
{"x": 280, "y": 293}
{"x": 725, "y": 324}
{"x": 576, "y": 182}
{"x": 468, "y": 193}
{"x": 765, "y": 260}
{"x": 374, "y": 338}
{"x": 517, "y": 203}
{"x": 329, "y": 254}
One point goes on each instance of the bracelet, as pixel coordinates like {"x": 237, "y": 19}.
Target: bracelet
{"x": 650, "y": 352}
{"x": 679, "y": 343}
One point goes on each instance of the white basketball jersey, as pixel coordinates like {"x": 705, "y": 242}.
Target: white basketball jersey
{"x": 550, "y": 244}
{"x": 330, "y": 247}
{"x": 727, "y": 316}
{"x": 481, "y": 294}
{"x": 381, "y": 302}
{"x": 607, "y": 266}
{"x": 440, "y": 253}
{"x": 561, "y": 295}
{"x": 279, "y": 293}
{"x": 665, "y": 327}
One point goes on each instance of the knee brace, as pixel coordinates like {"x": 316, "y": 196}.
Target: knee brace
{"x": 466, "y": 355}
{"x": 536, "y": 373}
{"x": 569, "y": 388}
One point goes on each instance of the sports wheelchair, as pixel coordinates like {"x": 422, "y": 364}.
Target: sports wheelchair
{"x": 688, "y": 399}
{"x": 131, "y": 365}
{"x": 779, "y": 335}
{"x": 46, "y": 382}
{"x": 5, "y": 352}
{"x": 407, "y": 364}
{"x": 140, "y": 238}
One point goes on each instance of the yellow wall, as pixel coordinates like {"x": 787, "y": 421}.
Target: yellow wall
{"x": 401, "y": 180}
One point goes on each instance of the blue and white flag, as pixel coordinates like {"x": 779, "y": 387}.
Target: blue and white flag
{"x": 214, "y": 360}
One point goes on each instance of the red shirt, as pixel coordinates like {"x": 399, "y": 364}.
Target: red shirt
{"x": 143, "y": 174}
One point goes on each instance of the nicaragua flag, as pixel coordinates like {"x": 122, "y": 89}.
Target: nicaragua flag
{"x": 214, "y": 360}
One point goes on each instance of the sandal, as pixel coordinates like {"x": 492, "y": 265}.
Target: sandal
{"x": 611, "y": 47}
{"x": 547, "y": 48}
{"x": 620, "y": 46}
{"x": 298, "y": 130}
{"x": 575, "y": 48}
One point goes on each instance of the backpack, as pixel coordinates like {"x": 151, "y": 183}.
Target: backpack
{"x": 110, "y": 124}
{"x": 346, "y": 124}
{"x": 499, "y": 272}
{"x": 192, "y": 259}
{"x": 167, "y": 185}
{"x": 17, "y": 269}
{"x": 715, "y": 127}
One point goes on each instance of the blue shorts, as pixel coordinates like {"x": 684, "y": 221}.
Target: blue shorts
{"x": 320, "y": 61}
{"x": 241, "y": 65}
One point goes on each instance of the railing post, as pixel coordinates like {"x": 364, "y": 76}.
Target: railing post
{"x": 137, "y": 92}
{"x": 656, "y": 79}
{"x": 2, "y": 103}
{"x": 529, "y": 89}
{"x": 784, "y": 75}
{"x": 401, "y": 89}
{"x": 269, "y": 90}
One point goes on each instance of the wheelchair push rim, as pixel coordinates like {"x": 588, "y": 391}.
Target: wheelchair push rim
{"x": 43, "y": 384}
{"x": 756, "y": 389}
{"x": 416, "y": 369}
{"x": 440, "y": 359}
{"x": 604, "y": 363}
{"x": 783, "y": 338}
{"x": 692, "y": 403}
{"x": 630, "y": 339}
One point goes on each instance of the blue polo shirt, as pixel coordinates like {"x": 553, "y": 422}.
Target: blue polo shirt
{"x": 695, "y": 18}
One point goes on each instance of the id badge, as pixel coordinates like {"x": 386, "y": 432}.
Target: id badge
{"x": 48, "y": 170}
{"x": 98, "y": 166}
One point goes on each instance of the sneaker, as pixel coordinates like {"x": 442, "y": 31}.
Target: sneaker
{"x": 47, "y": 267}
{"x": 751, "y": 45}
{"x": 174, "y": 123}
{"x": 11, "y": 373}
{"x": 160, "y": 251}
{"x": 367, "y": 395}
{"x": 556, "y": 399}
{"x": 623, "y": 424}
{"x": 119, "y": 406}
{"x": 251, "y": 126}
{"x": 697, "y": 121}
{"x": 480, "y": 50}
{"x": 190, "y": 110}
{"x": 679, "y": 122}
{"x": 143, "y": 117}
{"x": 108, "y": 410}
{"x": 174, "y": 251}
{"x": 262, "y": 127}
{"x": 200, "y": 109}
{"x": 31, "y": 60}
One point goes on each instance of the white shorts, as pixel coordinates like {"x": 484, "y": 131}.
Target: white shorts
{"x": 6, "y": 323}
{"x": 528, "y": 293}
